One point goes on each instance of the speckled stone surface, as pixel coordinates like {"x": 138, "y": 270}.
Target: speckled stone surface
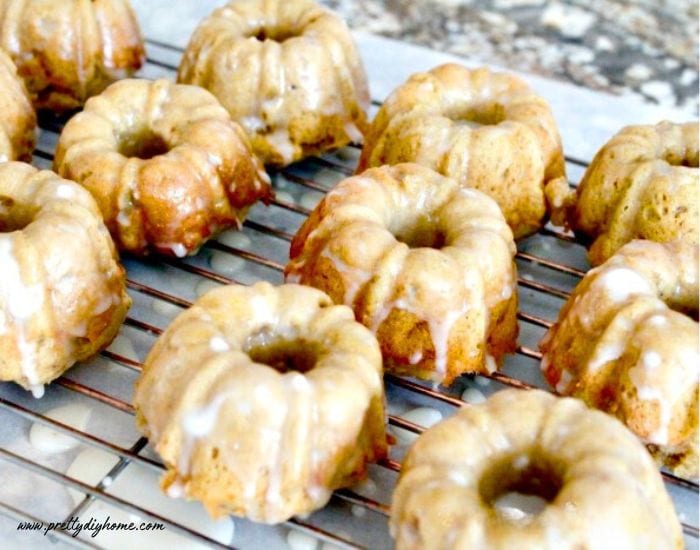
{"x": 644, "y": 47}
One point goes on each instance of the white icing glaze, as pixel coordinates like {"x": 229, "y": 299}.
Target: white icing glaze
{"x": 665, "y": 390}
{"x": 252, "y": 124}
{"x": 422, "y": 416}
{"x": 606, "y": 352}
{"x": 298, "y": 384}
{"x": 473, "y": 396}
{"x": 506, "y": 291}
{"x": 214, "y": 160}
{"x": 165, "y": 308}
{"x": 123, "y": 219}
{"x": 358, "y": 511}
{"x": 519, "y": 507}
{"x": 564, "y": 381}
{"x": 657, "y": 320}
{"x": 521, "y": 462}
{"x": 178, "y": 249}
{"x": 620, "y": 283}
{"x": 279, "y": 140}
{"x": 225, "y": 263}
{"x": 50, "y": 441}
{"x": 197, "y": 424}
{"x": 458, "y": 477}
{"x": 296, "y": 540}
{"x": 90, "y": 466}
{"x": 353, "y": 277}
{"x": 353, "y": 132}
{"x": 490, "y": 363}
{"x": 79, "y": 330}
{"x": 104, "y": 303}
{"x": 651, "y": 360}
{"x": 218, "y": 344}
{"x": 440, "y": 326}
{"x": 65, "y": 191}
{"x": 20, "y": 303}
{"x": 235, "y": 239}
{"x": 139, "y": 484}
{"x": 176, "y": 490}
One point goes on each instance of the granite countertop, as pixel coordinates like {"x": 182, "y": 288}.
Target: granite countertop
{"x": 643, "y": 47}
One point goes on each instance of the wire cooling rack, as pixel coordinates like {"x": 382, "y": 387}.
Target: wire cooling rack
{"x": 550, "y": 264}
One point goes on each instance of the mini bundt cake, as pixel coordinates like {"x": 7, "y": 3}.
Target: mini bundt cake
{"x": 17, "y": 118}
{"x": 287, "y": 70}
{"x": 487, "y": 130}
{"x": 262, "y": 400}
{"x": 62, "y": 289}
{"x": 643, "y": 184}
{"x": 600, "y": 486}
{"x": 167, "y": 165}
{"x": 424, "y": 263}
{"x": 69, "y": 50}
{"x": 625, "y": 342}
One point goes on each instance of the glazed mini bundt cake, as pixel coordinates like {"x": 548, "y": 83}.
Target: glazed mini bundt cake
{"x": 601, "y": 488}
{"x": 643, "y": 184}
{"x": 287, "y": 70}
{"x": 69, "y": 50}
{"x": 62, "y": 289}
{"x": 17, "y": 118}
{"x": 627, "y": 342}
{"x": 426, "y": 264}
{"x": 262, "y": 400}
{"x": 485, "y": 129}
{"x": 167, "y": 165}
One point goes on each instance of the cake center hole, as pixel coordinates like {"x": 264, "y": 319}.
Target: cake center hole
{"x": 13, "y": 217}
{"x": 282, "y": 354}
{"x": 143, "y": 145}
{"x": 485, "y": 114}
{"x": 518, "y": 490}
{"x": 689, "y": 160}
{"x": 274, "y": 34}
{"x": 420, "y": 234}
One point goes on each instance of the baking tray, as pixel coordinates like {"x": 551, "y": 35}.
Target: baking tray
{"x": 76, "y": 452}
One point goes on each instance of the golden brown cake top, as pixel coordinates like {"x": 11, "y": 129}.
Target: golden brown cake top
{"x": 287, "y": 71}
{"x": 277, "y": 379}
{"x": 62, "y": 292}
{"x": 600, "y": 483}
{"x": 488, "y": 130}
{"x": 626, "y": 341}
{"x": 68, "y": 50}
{"x": 17, "y": 117}
{"x": 167, "y": 165}
{"x": 406, "y": 238}
{"x": 642, "y": 184}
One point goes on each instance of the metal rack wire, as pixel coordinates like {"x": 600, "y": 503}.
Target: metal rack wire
{"x": 540, "y": 287}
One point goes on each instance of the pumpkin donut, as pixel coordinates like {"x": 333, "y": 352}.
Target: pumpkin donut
{"x": 165, "y": 162}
